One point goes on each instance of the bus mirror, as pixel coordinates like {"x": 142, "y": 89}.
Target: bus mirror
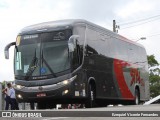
{"x": 72, "y": 42}
{"x": 6, "y": 50}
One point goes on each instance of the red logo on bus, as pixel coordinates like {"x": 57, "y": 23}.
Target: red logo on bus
{"x": 135, "y": 74}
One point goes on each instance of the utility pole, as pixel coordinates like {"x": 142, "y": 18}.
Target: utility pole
{"x": 115, "y": 27}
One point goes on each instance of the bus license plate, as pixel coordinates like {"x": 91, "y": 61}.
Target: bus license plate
{"x": 41, "y": 94}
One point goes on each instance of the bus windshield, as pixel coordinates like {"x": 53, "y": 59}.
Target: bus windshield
{"x": 38, "y": 56}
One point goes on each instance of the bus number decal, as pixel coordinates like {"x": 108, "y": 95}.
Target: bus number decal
{"x": 135, "y": 74}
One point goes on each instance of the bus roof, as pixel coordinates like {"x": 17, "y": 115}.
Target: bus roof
{"x": 64, "y": 24}
{"x": 52, "y": 24}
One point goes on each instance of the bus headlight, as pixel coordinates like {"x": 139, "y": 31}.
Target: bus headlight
{"x": 65, "y": 92}
{"x": 18, "y": 86}
{"x": 65, "y": 82}
{"x": 19, "y": 96}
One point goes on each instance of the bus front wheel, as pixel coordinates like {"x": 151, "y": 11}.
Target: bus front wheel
{"x": 90, "y": 102}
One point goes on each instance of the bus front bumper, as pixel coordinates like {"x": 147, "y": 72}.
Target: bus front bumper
{"x": 44, "y": 93}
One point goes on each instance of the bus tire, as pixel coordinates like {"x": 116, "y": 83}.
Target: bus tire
{"x": 137, "y": 97}
{"x": 90, "y": 102}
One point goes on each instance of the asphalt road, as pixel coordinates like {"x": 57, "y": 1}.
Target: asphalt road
{"x": 141, "y": 112}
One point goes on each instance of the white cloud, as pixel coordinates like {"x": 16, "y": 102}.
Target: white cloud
{"x": 16, "y": 14}
{"x": 134, "y": 7}
{"x": 137, "y": 10}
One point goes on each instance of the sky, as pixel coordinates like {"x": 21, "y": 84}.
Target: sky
{"x": 136, "y": 18}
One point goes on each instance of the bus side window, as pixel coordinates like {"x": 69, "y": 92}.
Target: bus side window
{"x": 79, "y": 49}
{"x": 78, "y": 52}
{"x": 77, "y": 55}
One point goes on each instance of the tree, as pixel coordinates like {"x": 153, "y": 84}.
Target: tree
{"x": 154, "y": 76}
{"x": 152, "y": 61}
{"x": 3, "y": 84}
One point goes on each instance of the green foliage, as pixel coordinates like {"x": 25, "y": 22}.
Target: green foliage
{"x": 3, "y": 84}
{"x": 154, "y": 85}
{"x": 152, "y": 61}
{"x": 154, "y": 76}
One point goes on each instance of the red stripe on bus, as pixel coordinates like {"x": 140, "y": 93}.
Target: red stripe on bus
{"x": 118, "y": 69}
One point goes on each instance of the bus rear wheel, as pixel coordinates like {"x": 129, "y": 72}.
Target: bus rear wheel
{"x": 137, "y": 97}
{"x": 90, "y": 102}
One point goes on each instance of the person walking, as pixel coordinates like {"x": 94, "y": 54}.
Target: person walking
{"x": 14, "y": 104}
{"x": 7, "y": 98}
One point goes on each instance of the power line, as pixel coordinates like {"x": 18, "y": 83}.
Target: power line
{"x": 140, "y": 20}
{"x": 140, "y": 24}
{"x": 153, "y": 35}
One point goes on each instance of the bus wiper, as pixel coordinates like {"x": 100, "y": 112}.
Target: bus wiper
{"x": 32, "y": 66}
{"x": 50, "y": 69}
